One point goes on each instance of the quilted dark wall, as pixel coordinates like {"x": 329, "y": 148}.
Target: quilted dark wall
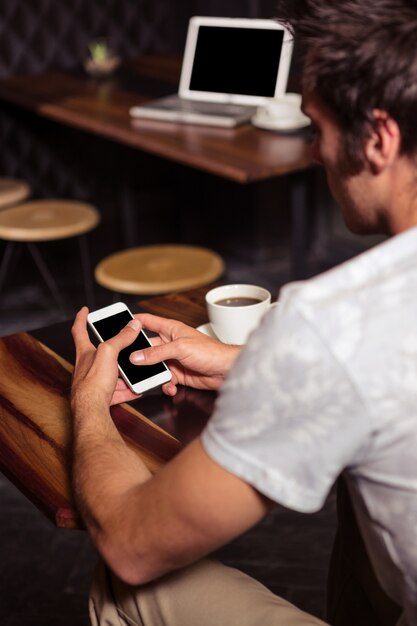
{"x": 234, "y": 8}
{"x": 38, "y": 34}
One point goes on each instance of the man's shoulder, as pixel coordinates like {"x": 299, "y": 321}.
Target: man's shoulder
{"x": 368, "y": 271}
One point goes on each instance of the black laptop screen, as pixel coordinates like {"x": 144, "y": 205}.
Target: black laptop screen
{"x": 237, "y": 60}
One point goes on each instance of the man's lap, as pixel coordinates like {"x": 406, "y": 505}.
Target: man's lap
{"x": 204, "y": 594}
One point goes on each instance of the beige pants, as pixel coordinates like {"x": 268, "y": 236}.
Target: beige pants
{"x": 204, "y": 594}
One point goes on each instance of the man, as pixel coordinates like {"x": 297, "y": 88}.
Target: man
{"x": 326, "y": 384}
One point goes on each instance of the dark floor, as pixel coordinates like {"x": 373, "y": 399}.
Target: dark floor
{"x": 45, "y": 572}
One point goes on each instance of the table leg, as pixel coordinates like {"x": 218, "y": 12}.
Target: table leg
{"x": 8, "y": 253}
{"x": 300, "y": 226}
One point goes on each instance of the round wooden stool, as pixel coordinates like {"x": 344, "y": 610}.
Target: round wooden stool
{"x": 151, "y": 270}
{"x": 13, "y": 191}
{"x": 48, "y": 220}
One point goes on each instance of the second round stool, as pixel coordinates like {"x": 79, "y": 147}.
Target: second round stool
{"x": 158, "y": 269}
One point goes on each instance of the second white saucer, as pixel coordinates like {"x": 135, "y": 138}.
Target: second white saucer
{"x": 206, "y": 329}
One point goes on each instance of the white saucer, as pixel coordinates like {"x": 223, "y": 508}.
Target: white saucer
{"x": 206, "y": 329}
{"x": 289, "y": 123}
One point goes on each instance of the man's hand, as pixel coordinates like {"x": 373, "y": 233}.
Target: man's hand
{"x": 96, "y": 376}
{"x": 194, "y": 359}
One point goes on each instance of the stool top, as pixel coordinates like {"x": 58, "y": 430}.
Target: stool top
{"x": 47, "y": 220}
{"x": 159, "y": 269}
{"x": 13, "y": 191}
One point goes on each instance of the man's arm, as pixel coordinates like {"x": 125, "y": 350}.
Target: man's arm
{"x": 145, "y": 526}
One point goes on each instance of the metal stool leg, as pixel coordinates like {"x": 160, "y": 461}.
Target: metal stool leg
{"x": 87, "y": 274}
{"x": 7, "y": 257}
{"x": 46, "y": 275}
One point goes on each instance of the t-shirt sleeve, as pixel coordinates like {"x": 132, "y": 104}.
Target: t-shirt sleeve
{"x": 288, "y": 419}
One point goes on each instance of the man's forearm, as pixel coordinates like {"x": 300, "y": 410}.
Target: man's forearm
{"x": 145, "y": 527}
{"x": 116, "y": 500}
{"x": 105, "y": 469}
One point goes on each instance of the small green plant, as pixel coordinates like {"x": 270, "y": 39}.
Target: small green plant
{"x": 101, "y": 61}
{"x": 99, "y": 50}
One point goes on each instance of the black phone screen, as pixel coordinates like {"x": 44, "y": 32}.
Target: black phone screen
{"x": 108, "y": 328}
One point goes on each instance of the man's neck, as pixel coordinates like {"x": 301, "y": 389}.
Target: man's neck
{"x": 402, "y": 210}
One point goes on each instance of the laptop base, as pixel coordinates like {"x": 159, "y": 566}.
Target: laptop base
{"x": 176, "y": 109}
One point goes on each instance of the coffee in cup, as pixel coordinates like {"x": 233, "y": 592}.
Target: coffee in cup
{"x": 235, "y": 310}
{"x": 239, "y": 301}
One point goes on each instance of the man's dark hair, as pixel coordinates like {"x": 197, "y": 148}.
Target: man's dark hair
{"x": 362, "y": 55}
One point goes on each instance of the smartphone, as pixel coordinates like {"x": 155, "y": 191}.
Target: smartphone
{"x": 106, "y": 323}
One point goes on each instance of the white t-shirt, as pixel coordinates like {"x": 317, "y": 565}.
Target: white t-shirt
{"x": 328, "y": 383}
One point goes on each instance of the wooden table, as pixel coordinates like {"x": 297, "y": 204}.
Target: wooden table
{"x": 244, "y": 155}
{"x": 35, "y": 421}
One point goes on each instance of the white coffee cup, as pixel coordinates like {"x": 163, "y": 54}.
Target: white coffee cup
{"x": 287, "y": 105}
{"x": 286, "y": 108}
{"x": 232, "y": 323}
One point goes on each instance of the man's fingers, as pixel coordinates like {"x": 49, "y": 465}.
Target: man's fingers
{"x": 121, "y": 385}
{"x": 124, "y": 338}
{"x": 160, "y": 325}
{"x": 169, "y": 389}
{"x": 156, "y": 354}
{"x": 79, "y": 330}
{"x": 156, "y": 341}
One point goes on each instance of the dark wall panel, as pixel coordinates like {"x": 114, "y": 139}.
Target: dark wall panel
{"x": 234, "y": 8}
{"x": 39, "y": 34}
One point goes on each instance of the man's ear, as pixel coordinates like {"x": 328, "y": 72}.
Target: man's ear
{"x": 383, "y": 144}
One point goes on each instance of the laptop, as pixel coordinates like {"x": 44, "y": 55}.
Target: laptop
{"x": 230, "y": 67}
